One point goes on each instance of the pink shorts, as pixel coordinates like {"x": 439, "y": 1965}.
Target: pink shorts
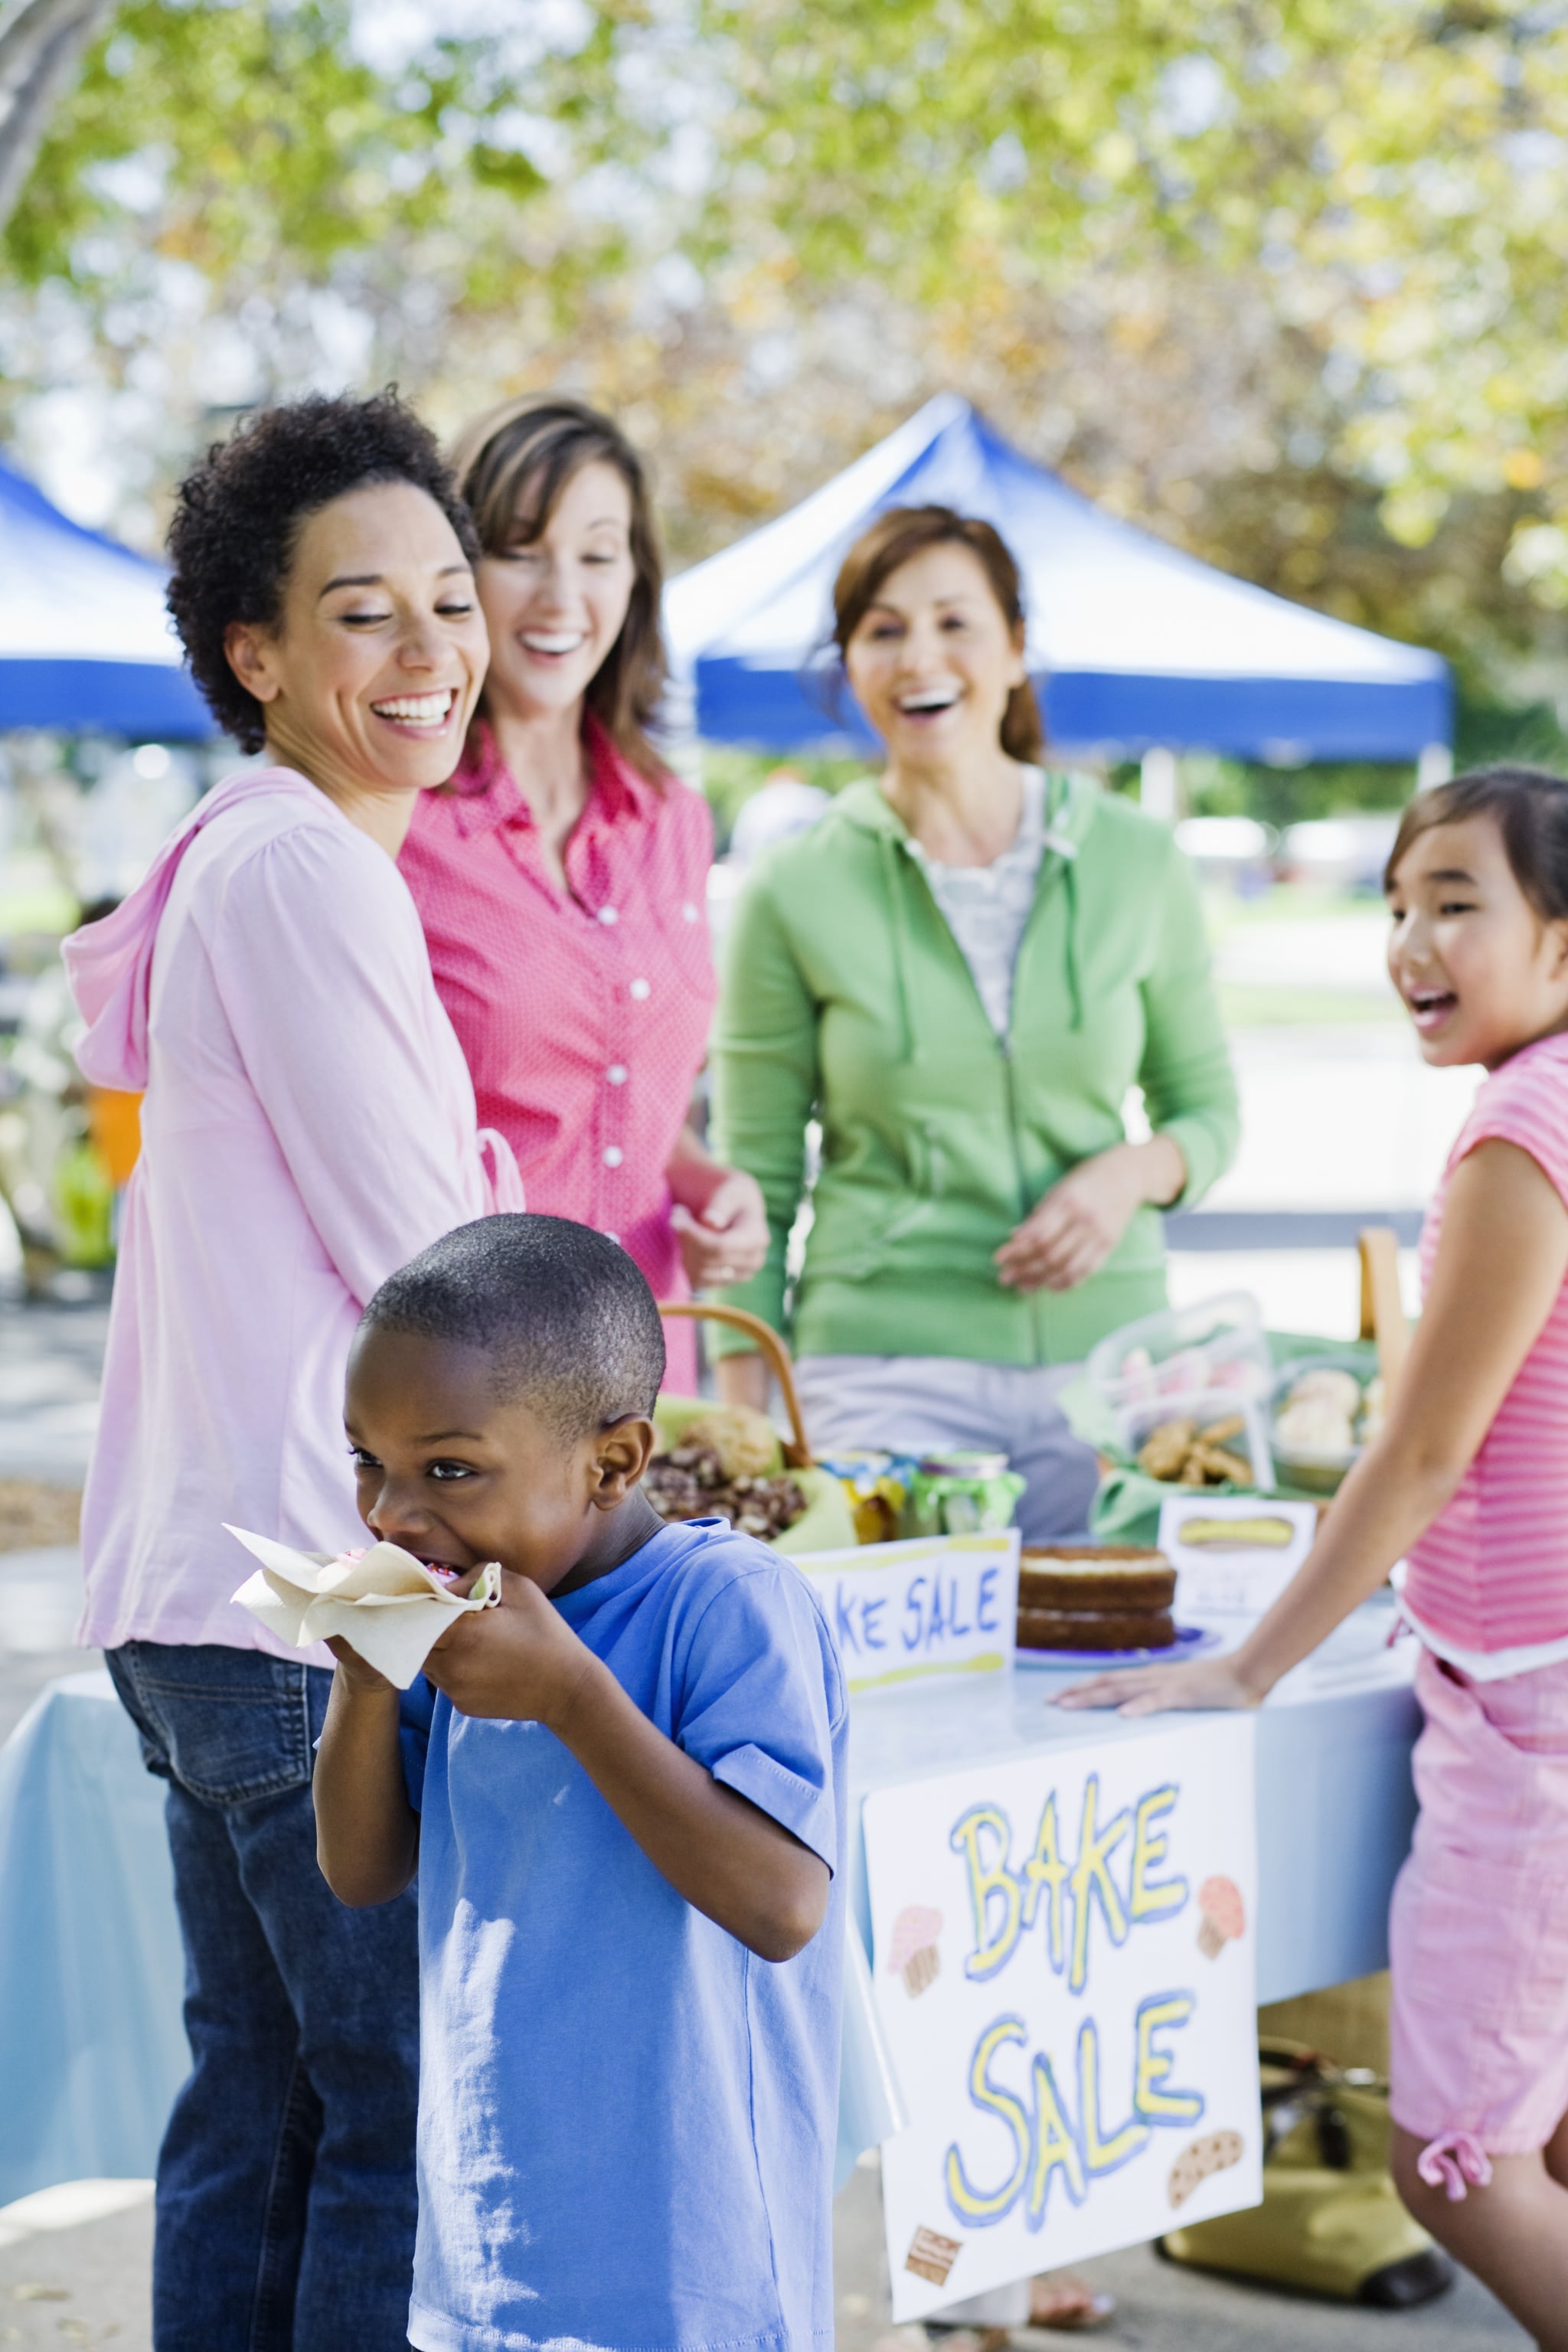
{"x": 1478, "y": 1931}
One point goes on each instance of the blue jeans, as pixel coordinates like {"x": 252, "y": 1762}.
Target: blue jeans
{"x": 286, "y": 2191}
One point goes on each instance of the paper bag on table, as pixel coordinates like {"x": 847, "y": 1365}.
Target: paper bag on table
{"x": 390, "y": 1606}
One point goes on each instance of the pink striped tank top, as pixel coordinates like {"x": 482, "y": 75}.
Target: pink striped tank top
{"x": 1492, "y": 1570}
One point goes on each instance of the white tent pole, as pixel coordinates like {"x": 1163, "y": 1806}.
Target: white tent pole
{"x": 1159, "y": 786}
{"x": 1434, "y": 766}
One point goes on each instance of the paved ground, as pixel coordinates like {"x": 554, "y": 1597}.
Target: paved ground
{"x": 49, "y": 1359}
{"x": 87, "y": 2284}
{"x": 40, "y": 1597}
{"x": 75, "y": 2264}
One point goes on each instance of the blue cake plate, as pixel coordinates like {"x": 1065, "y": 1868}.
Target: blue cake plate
{"x": 1190, "y": 1642}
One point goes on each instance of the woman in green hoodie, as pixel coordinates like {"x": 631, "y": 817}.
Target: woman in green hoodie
{"x": 962, "y": 972}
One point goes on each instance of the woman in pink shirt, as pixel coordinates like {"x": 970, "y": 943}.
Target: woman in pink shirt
{"x": 561, "y": 878}
{"x": 1469, "y": 1483}
{"x": 308, "y": 1126}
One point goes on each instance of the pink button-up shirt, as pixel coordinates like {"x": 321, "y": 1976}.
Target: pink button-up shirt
{"x": 308, "y": 1126}
{"x": 583, "y": 1014}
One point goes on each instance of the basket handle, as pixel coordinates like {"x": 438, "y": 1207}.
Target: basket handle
{"x": 1381, "y": 1309}
{"x": 797, "y": 1451}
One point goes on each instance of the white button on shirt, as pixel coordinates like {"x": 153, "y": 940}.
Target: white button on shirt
{"x": 608, "y": 915}
{"x": 615, "y": 1076}
{"x": 613, "y": 1155}
{"x": 640, "y": 989}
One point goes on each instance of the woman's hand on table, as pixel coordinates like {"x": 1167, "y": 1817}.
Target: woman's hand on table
{"x": 726, "y": 1240}
{"x": 1195, "y": 1684}
{"x": 1072, "y": 1230}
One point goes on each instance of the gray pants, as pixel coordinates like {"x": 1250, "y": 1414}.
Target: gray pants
{"x": 910, "y": 1405}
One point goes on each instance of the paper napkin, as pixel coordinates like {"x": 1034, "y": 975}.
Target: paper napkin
{"x": 389, "y": 1605}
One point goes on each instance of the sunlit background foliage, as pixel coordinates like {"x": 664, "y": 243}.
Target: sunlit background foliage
{"x": 1284, "y": 282}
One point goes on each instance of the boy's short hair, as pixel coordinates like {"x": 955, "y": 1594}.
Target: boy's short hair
{"x": 563, "y": 1314}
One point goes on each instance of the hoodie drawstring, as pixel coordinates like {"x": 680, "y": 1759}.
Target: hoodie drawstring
{"x": 895, "y": 881}
{"x": 1075, "y": 980}
{"x": 1059, "y": 841}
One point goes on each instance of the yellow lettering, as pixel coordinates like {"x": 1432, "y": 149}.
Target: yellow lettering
{"x": 989, "y": 1882}
{"x": 1045, "y": 1869}
{"x": 981, "y": 2205}
{"x": 1101, "y": 2154}
{"x": 1150, "y": 1897}
{"x": 1090, "y": 1876}
{"x": 1056, "y": 2150}
{"x": 1152, "y": 2064}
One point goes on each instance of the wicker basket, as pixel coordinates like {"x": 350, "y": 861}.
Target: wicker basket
{"x": 798, "y": 1452}
{"x": 829, "y": 1524}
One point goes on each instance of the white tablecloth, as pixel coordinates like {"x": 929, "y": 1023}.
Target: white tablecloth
{"x": 92, "y": 2049}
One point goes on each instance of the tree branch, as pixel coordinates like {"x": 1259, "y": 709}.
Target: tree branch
{"x": 40, "y": 43}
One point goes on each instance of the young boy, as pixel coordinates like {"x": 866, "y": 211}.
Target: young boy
{"x": 625, "y": 1796}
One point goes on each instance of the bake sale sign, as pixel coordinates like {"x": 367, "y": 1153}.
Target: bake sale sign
{"x": 1063, "y": 1963}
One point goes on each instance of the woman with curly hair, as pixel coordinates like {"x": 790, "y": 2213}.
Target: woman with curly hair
{"x": 308, "y": 1126}
{"x": 562, "y": 876}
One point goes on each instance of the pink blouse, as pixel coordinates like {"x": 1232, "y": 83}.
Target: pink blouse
{"x": 583, "y": 1015}
{"x": 308, "y": 1126}
{"x": 1492, "y": 1570}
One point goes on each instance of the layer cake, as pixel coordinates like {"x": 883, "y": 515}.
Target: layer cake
{"x": 1095, "y": 1597}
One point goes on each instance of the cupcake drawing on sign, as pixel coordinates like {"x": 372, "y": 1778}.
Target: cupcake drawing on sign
{"x": 1223, "y": 1915}
{"x": 913, "y": 1953}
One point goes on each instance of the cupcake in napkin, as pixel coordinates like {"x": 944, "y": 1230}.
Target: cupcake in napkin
{"x": 388, "y": 1605}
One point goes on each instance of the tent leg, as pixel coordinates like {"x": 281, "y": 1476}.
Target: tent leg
{"x": 1159, "y": 791}
{"x": 1434, "y": 766}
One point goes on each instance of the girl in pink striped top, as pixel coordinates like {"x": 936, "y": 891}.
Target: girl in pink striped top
{"x": 1469, "y": 1482}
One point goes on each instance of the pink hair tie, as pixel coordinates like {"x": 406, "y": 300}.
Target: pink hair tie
{"x": 1451, "y": 2160}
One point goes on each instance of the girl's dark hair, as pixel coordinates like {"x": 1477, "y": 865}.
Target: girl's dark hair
{"x": 239, "y": 516}
{"x": 512, "y": 465}
{"x": 906, "y": 531}
{"x": 1530, "y": 806}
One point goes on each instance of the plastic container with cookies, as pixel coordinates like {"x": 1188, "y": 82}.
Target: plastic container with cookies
{"x": 1217, "y": 1437}
{"x": 1178, "y": 1355}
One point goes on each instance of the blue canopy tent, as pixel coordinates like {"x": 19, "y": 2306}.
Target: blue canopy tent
{"x": 85, "y": 641}
{"x": 1138, "y": 646}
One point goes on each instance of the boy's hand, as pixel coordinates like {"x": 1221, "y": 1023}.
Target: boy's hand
{"x": 520, "y": 1662}
{"x": 353, "y": 1670}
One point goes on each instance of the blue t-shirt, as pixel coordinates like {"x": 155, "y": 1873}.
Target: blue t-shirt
{"x": 628, "y": 2120}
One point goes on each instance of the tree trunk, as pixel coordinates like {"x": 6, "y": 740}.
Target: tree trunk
{"x": 40, "y": 42}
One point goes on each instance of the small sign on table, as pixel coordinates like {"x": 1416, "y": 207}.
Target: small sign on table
{"x": 1234, "y": 1554}
{"x": 934, "y": 1605}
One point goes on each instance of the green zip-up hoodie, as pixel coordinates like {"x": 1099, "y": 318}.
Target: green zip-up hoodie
{"x": 847, "y": 999}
